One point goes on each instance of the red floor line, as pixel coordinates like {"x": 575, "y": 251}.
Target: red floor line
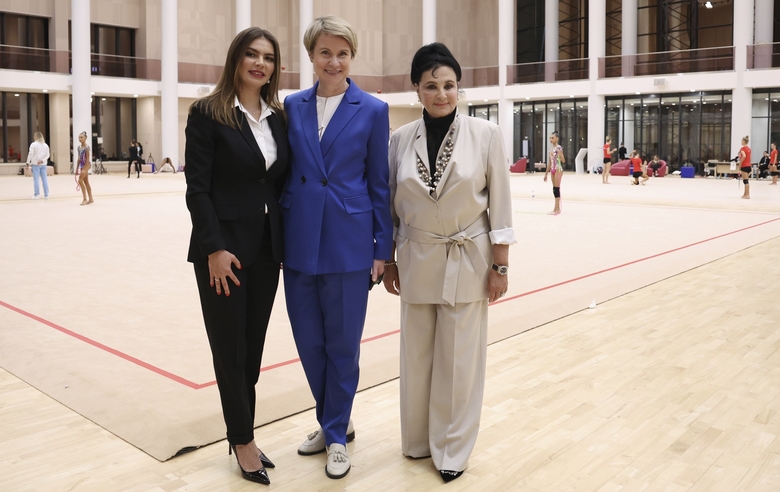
{"x": 106, "y": 348}
{"x": 198, "y": 386}
{"x": 632, "y": 262}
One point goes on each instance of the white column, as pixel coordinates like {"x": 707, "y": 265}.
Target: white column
{"x": 59, "y": 139}
{"x": 169, "y": 109}
{"x": 506, "y": 53}
{"x": 597, "y": 16}
{"x": 81, "y": 70}
{"x": 741, "y": 97}
{"x": 429, "y": 21}
{"x": 243, "y": 15}
{"x": 765, "y": 11}
{"x": 628, "y": 36}
{"x": 550, "y": 39}
{"x": 306, "y": 15}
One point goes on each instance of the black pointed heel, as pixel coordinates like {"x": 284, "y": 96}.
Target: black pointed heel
{"x": 449, "y": 475}
{"x": 259, "y": 476}
{"x": 266, "y": 462}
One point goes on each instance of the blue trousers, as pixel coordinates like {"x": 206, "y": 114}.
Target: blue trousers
{"x": 327, "y": 313}
{"x": 39, "y": 172}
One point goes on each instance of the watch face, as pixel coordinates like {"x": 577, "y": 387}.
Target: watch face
{"x": 503, "y": 270}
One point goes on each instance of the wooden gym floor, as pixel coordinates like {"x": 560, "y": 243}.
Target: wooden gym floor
{"x": 674, "y": 386}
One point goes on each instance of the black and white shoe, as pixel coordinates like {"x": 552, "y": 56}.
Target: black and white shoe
{"x": 449, "y": 475}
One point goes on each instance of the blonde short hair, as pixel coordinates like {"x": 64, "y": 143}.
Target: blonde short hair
{"x": 38, "y": 137}
{"x": 333, "y": 26}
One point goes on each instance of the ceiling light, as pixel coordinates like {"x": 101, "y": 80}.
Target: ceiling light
{"x": 46, "y": 90}
{"x": 102, "y": 98}
{"x": 708, "y": 5}
{"x": 135, "y": 95}
{"x": 91, "y": 93}
{"x": 485, "y": 100}
{"x": 470, "y": 104}
{"x": 16, "y": 95}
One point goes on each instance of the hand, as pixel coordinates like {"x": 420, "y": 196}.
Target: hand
{"x": 220, "y": 269}
{"x": 392, "y": 281}
{"x": 378, "y": 269}
{"x": 497, "y": 285}
{"x": 545, "y": 177}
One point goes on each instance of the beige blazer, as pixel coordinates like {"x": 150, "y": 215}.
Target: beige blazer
{"x": 444, "y": 239}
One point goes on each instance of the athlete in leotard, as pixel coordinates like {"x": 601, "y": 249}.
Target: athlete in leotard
{"x": 555, "y": 159}
{"x": 83, "y": 169}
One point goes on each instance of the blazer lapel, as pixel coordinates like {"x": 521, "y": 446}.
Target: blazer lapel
{"x": 421, "y": 144}
{"x": 421, "y": 149}
{"x": 246, "y": 132}
{"x": 348, "y": 108}
{"x": 308, "y": 112}
{"x": 280, "y": 136}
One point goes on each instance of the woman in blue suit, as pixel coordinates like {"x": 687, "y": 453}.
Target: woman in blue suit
{"x": 338, "y": 230}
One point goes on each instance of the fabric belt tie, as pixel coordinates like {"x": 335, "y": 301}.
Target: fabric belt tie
{"x": 461, "y": 242}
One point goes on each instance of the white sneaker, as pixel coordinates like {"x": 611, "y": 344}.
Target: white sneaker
{"x": 315, "y": 442}
{"x": 46, "y": 197}
{"x": 338, "y": 461}
{"x": 35, "y": 197}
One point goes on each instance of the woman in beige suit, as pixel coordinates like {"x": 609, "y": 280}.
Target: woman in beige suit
{"x": 446, "y": 171}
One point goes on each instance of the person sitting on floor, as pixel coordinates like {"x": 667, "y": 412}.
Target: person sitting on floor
{"x": 166, "y": 162}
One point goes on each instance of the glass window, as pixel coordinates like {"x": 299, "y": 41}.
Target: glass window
{"x": 760, "y": 104}
{"x": 24, "y": 115}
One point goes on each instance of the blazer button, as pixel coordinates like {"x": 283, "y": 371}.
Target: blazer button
{"x": 262, "y": 180}
{"x": 324, "y": 182}
{"x": 303, "y": 179}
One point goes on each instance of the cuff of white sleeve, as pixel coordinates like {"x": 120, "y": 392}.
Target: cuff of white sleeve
{"x": 503, "y": 236}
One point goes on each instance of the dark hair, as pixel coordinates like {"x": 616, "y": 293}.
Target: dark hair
{"x": 220, "y": 103}
{"x": 555, "y": 132}
{"x": 430, "y": 57}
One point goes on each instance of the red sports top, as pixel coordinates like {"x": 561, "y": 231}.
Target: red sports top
{"x": 606, "y": 151}
{"x": 746, "y": 162}
{"x": 637, "y": 162}
{"x": 773, "y": 157}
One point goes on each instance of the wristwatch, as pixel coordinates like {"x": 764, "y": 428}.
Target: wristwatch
{"x": 501, "y": 269}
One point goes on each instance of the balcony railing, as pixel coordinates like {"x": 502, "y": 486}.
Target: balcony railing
{"x": 552, "y": 71}
{"x": 478, "y": 77}
{"x": 33, "y": 59}
{"x": 668, "y": 62}
{"x": 763, "y": 56}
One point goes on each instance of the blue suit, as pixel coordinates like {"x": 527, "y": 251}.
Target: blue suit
{"x": 336, "y": 214}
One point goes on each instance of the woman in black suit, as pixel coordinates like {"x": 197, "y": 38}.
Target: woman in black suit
{"x": 236, "y": 163}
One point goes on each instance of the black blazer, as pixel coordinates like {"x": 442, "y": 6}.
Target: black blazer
{"x": 133, "y": 152}
{"x": 228, "y": 187}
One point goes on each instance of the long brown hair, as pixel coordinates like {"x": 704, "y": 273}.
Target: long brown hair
{"x": 220, "y": 104}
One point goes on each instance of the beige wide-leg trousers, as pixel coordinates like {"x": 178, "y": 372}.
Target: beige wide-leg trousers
{"x": 443, "y": 352}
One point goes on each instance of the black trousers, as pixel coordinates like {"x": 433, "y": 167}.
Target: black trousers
{"x": 236, "y": 328}
{"x": 137, "y": 167}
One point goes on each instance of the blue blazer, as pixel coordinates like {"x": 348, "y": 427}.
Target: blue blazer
{"x": 336, "y": 201}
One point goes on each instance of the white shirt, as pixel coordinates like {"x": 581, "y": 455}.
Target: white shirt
{"x": 262, "y": 131}
{"x": 326, "y": 106}
{"x": 38, "y": 154}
